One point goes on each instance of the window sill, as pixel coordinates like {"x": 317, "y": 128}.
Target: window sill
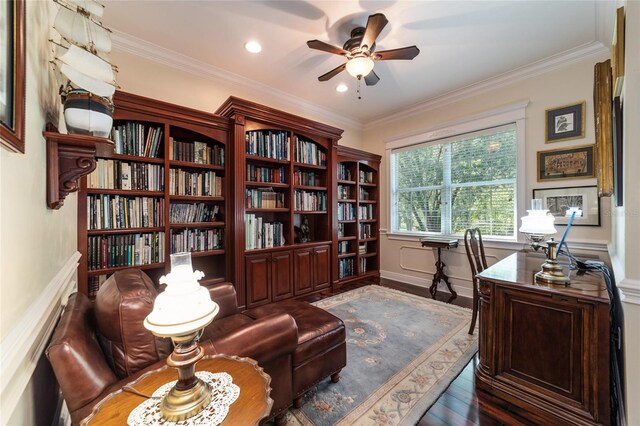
{"x": 509, "y": 244}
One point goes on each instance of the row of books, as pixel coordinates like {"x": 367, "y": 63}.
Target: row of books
{"x": 363, "y": 265}
{"x": 364, "y": 194}
{"x": 197, "y": 240}
{"x": 268, "y": 143}
{"x": 309, "y": 153}
{"x": 260, "y": 234}
{"x": 362, "y": 248}
{"x": 306, "y": 178}
{"x": 264, "y": 199}
{"x": 266, "y": 174}
{"x": 344, "y": 192}
{"x": 206, "y": 183}
{"x": 116, "y": 174}
{"x": 114, "y": 251}
{"x": 345, "y": 267}
{"x": 366, "y": 230}
{"x": 120, "y": 212}
{"x": 346, "y": 211}
{"x": 133, "y": 138}
{"x": 94, "y": 284}
{"x": 365, "y": 212}
{"x": 341, "y": 230}
{"x": 310, "y": 200}
{"x": 197, "y": 152}
{"x": 366, "y": 177}
{"x": 193, "y": 212}
{"x": 344, "y": 173}
{"x": 343, "y": 247}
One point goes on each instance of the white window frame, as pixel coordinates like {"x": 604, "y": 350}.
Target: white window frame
{"x": 510, "y": 114}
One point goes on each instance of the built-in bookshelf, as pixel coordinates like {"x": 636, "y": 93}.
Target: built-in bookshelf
{"x": 356, "y": 236}
{"x": 283, "y": 198}
{"x": 163, "y": 190}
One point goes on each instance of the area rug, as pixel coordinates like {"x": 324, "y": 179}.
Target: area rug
{"x": 402, "y": 352}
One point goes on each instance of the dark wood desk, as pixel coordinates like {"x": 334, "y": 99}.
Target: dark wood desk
{"x": 440, "y": 243}
{"x": 543, "y": 348}
{"x": 253, "y": 404}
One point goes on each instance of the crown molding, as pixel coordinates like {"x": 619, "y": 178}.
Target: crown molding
{"x": 161, "y": 55}
{"x": 552, "y": 63}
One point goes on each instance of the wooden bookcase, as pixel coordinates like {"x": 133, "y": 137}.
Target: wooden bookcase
{"x": 295, "y": 168}
{"x": 157, "y": 194}
{"x": 356, "y": 242}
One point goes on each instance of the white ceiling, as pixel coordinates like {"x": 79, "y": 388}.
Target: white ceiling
{"x": 460, "y": 42}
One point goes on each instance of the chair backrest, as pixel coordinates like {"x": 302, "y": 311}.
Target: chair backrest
{"x": 475, "y": 251}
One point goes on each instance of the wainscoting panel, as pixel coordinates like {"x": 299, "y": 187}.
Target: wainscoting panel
{"x": 21, "y": 349}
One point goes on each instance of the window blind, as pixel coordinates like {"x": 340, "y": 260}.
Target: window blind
{"x": 452, "y": 184}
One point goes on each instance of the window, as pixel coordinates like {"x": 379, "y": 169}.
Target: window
{"x": 448, "y": 185}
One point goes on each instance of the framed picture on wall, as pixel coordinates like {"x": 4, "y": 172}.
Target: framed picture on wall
{"x": 569, "y": 163}
{"x": 559, "y": 200}
{"x": 563, "y": 123}
{"x": 12, "y": 74}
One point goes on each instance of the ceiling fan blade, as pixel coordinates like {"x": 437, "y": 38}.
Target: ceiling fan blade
{"x": 372, "y": 78}
{"x": 401, "y": 53}
{"x": 332, "y": 73}
{"x": 375, "y": 24}
{"x": 325, "y": 47}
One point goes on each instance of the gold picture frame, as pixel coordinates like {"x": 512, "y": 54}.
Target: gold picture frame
{"x": 617, "y": 49}
{"x": 566, "y": 163}
{"x": 603, "y": 125}
{"x": 564, "y": 123}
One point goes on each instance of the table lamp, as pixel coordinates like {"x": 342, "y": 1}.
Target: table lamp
{"x": 181, "y": 312}
{"x": 537, "y": 226}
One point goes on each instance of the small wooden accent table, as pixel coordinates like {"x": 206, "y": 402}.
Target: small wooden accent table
{"x": 253, "y": 404}
{"x": 544, "y": 348}
{"x": 439, "y": 243}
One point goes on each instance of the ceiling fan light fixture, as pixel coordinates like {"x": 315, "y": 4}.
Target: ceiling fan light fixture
{"x": 360, "y": 66}
{"x": 253, "y": 46}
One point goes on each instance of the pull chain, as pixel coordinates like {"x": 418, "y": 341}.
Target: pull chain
{"x": 358, "y": 87}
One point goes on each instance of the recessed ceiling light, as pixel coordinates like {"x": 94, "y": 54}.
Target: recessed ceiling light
{"x": 253, "y": 46}
{"x": 342, "y": 88}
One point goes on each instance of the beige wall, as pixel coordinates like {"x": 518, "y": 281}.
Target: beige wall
{"x": 625, "y": 250}
{"x": 561, "y": 87}
{"x": 35, "y": 242}
{"x": 178, "y": 87}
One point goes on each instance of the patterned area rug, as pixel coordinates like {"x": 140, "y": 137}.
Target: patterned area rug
{"x": 402, "y": 353}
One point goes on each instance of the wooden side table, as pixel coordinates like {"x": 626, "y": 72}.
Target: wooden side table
{"x": 253, "y": 404}
{"x": 439, "y": 243}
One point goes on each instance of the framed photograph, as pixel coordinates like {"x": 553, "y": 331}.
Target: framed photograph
{"x": 12, "y": 74}
{"x": 558, "y": 201}
{"x": 604, "y": 133}
{"x": 566, "y": 122}
{"x": 570, "y": 163}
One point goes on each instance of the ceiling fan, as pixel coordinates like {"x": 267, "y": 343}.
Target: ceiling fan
{"x": 360, "y": 51}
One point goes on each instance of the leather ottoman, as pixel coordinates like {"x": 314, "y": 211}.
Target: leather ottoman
{"x": 321, "y": 351}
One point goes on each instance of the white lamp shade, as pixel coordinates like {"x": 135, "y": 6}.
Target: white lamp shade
{"x": 538, "y": 222}
{"x": 185, "y": 306}
{"x": 359, "y": 66}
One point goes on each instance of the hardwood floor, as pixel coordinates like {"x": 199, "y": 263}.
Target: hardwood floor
{"x": 458, "y": 405}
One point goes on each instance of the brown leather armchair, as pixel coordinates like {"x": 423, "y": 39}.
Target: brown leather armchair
{"x": 98, "y": 348}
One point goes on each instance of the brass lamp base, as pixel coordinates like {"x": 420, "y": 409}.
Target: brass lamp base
{"x": 190, "y": 394}
{"x": 552, "y": 273}
{"x": 179, "y": 404}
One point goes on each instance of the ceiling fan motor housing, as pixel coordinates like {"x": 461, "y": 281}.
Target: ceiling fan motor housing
{"x": 353, "y": 44}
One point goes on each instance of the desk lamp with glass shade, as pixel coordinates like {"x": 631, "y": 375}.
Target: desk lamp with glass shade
{"x": 537, "y": 226}
{"x": 181, "y": 312}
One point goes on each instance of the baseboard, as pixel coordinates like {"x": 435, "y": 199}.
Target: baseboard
{"x": 462, "y": 291}
{"x": 21, "y": 349}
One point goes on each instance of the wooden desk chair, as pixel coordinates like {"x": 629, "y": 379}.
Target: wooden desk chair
{"x": 478, "y": 262}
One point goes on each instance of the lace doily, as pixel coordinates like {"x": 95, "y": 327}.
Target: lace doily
{"x": 223, "y": 394}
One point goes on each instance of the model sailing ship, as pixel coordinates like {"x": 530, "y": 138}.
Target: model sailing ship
{"x": 81, "y": 57}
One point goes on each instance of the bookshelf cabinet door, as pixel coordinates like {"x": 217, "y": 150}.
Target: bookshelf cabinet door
{"x": 281, "y": 275}
{"x": 258, "y": 280}
{"x": 302, "y": 271}
{"x": 321, "y": 267}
